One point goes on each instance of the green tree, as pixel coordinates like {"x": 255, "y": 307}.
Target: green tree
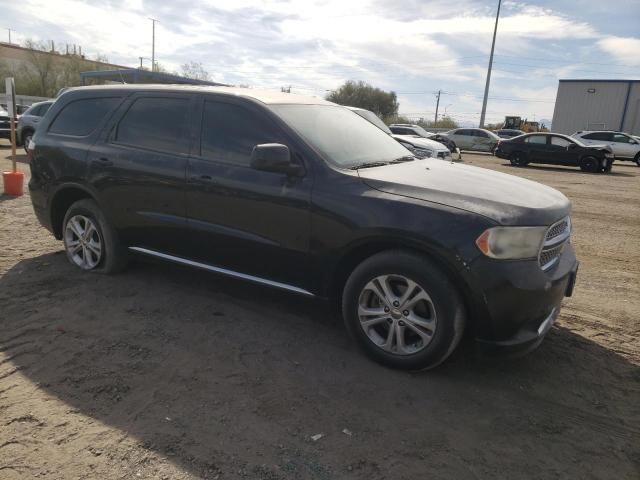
{"x": 194, "y": 70}
{"x": 443, "y": 122}
{"x": 361, "y": 94}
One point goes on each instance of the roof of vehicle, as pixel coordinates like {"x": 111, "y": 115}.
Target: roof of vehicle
{"x": 404, "y": 125}
{"x": 508, "y": 130}
{"x": 599, "y": 131}
{"x": 264, "y": 96}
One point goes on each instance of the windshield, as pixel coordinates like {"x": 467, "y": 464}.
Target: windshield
{"x": 373, "y": 118}
{"x": 343, "y": 138}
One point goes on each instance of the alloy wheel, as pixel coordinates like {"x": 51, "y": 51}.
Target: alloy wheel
{"x": 397, "y": 314}
{"x": 83, "y": 242}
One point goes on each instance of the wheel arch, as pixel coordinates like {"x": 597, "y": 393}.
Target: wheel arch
{"x": 360, "y": 252}
{"x": 65, "y": 196}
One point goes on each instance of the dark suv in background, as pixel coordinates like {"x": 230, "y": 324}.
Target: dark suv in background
{"x": 300, "y": 194}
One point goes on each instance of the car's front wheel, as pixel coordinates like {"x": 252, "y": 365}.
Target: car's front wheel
{"x": 637, "y": 159}
{"x": 403, "y": 310}
{"x": 590, "y": 164}
{"x": 90, "y": 242}
{"x": 26, "y": 139}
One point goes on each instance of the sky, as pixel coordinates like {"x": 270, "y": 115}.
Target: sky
{"x": 412, "y": 47}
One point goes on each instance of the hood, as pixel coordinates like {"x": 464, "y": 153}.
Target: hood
{"x": 421, "y": 142}
{"x": 505, "y": 199}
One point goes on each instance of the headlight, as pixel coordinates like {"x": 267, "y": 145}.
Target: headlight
{"x": 420, "y": 152}
{"x": 511, "y": 242}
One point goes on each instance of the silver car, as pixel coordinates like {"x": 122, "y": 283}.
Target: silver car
{"x": 477, "y": 139}
{"x": 624, "y": 146}
{"x": 29, "y": 120}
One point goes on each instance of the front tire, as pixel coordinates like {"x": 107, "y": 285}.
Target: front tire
{"x": 90, "y": 243}
{"x": 637, "y": 159}
{"x": 403, "y": 311}
{"x": 26, "y": 138}
{"x": 590, "y": 164}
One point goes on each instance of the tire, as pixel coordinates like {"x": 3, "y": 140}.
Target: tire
{"x": 609, "y": 166}
{"x": 637, "y": 159}
{"x": 26, "y": 138}
{"x": 518, "y": 159}
{"x": 430, "y": 325}
{"x": 590, "y": 164}
{"x": 91, "y": 244}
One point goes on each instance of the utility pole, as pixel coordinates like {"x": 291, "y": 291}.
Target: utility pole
{"x": 140, "y": 62}
{"x": 437, "y": 106}
{"x": 10, "y": 34}
{"x": 153, "y": 44}
{"x": 486, "y": 87}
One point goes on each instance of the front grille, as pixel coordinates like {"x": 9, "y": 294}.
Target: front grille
{"x": 555, "y": 240}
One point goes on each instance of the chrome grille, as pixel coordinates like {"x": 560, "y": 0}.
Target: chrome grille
{"x": 554, "y": 242}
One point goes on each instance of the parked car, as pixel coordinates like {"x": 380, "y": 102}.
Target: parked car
{"x": 423, "y": 147}
{"x": 5, "y": 123}
{"x": 624, "y": 146}
{"x": 419, "y": 146}
{"x": 29, "y": 120}
{"x": 555, "y": 149}
{"x": 300, "y": 194}
{"x": 417, "y": 131}
{"x": 508, "y": 133}
{"x": 476, "y": 139}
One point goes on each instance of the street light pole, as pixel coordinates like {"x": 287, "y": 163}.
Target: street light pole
{"x": 435, "y": 122}
{"x": 153, "y": 44}
{"x": 486, "y": 87}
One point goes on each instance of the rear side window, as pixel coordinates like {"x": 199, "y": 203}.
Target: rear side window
{"x": 81, "y": 117}
{"x": 155, "y": 123}
{"x": 602, "y": 136}
{"x": 229, "y": 133}
{"x": 537, "y": 139}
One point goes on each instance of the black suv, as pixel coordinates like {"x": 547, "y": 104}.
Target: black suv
{"x": 555, "y": 149}
{"x": 301, "y": 194}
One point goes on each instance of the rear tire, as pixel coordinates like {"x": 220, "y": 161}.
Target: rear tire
{"x": 518, "y": 159}
{"x": 590, "y": 164}
{"x": 421, "y": 329}
{"x": 637, "y": 159}
{"x": 90, "y": 242}
{"x": 26, "y": 138}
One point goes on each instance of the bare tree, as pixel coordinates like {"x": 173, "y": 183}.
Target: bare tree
{"x": 41, "y": 68}
{"x": 194, "y": 70}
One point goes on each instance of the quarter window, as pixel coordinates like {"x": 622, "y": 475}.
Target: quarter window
{"x": 229, "y": 133}
{"x": 155, "y": 123}
{"x": 602, "y": 136}
{"x": 81, "y": 117}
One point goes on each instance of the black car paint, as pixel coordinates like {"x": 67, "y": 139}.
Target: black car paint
{"x": 306, "y": 231}
{"x": 548, "y": 153}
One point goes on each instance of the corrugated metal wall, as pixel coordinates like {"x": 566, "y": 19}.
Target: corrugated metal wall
{"x": 596, "y": 105}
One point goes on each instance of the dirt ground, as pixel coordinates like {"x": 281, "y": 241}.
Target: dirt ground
{"x": 170, "y": 373}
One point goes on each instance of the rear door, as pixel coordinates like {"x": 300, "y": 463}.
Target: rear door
{"x": 463, "y": 138}
{"x": 537, "y": 150}
{"x": 139, "y": 168}
{"x": 249, "y": 221}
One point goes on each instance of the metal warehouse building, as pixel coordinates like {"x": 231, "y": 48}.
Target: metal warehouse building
{"x": 597, "y": 105}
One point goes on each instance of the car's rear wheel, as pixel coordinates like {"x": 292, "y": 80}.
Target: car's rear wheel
{"x": 90, "y": 242}
{"x": 637, "y": 159}
{"x": 518, "y": 159}
{"x": 403, "y": 310}
{"x": 590, "y": 164}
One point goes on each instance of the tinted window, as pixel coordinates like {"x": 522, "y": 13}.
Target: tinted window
{"x": 155, "y": 123}
{"x": 44, "y": 109}
{"x": 618, "y": 137}
{"x": 537, "y": 139}
{"x": 467, "y": 133}
{"x": 229, "y": 132}
{"x": 480, "y": 133}
{"x": 560, "y": 142}
{"x": 81, "y": 117}
{"x": 602, "y": 136}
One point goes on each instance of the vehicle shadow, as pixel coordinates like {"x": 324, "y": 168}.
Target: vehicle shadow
{"x": 575, "y": 170}
{"x": 217, "y": 377}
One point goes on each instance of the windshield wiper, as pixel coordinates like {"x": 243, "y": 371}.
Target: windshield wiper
{"x": 406, "y": 158}
{"x": 369, "y": 164}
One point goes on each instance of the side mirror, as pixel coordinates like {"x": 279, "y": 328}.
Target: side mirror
{"x": 571, "y": 146}
{"x": 274, "y": 157}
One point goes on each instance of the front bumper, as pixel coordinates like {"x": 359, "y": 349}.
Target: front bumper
{"x": 516, "y": 303}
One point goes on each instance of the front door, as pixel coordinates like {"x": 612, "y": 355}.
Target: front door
{"x": 139, "y": 168}
{"x": 560, "y": 151}
{"x": 251, "y": 222}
